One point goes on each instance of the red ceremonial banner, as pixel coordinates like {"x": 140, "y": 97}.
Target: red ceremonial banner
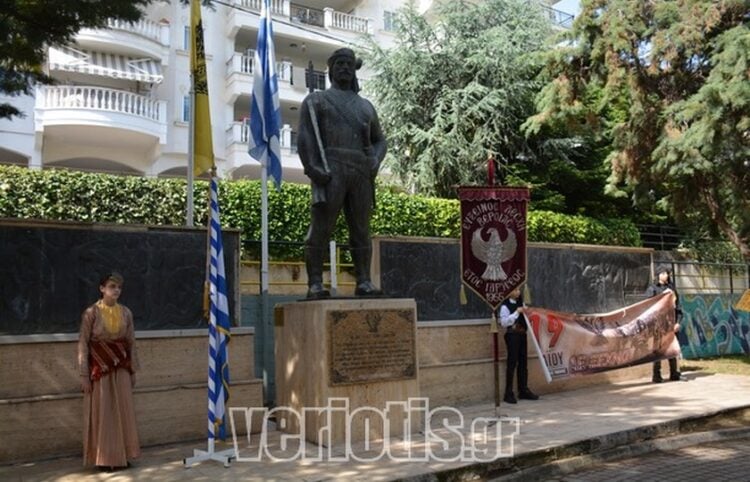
{"x": 569, "y": 344}
{"x": 493, "y": 240}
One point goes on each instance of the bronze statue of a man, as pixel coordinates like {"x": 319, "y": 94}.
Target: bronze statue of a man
{"x": 341, "y": 146}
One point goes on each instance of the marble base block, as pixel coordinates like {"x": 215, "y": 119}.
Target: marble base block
{"x": 358, "y": 358}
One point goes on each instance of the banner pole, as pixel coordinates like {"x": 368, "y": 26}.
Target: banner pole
{"x": 538, "y": 350}
{"x": 497, "y": 368}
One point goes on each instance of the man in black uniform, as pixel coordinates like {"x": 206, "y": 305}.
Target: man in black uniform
{"x": 341, "y": 146}
{"x": 664, "y": 282}
{"x": 512, "y": 318}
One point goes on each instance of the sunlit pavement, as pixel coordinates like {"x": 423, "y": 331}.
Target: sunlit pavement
{"x": 559, "y": 425}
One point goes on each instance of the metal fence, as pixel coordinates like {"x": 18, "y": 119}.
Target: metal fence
{"x": 663, "y": 238}
{"x": 694, "y": 277}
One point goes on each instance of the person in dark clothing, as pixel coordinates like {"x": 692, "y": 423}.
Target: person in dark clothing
{"x": 664, "y": 282}
{"x": 512, "y": 319}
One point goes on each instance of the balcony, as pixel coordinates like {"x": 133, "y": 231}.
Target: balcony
{"x": 326, "y": 18}
{"x": 142, "y": 38}
{"x": 293, "y": 84}
{"x": 76, "y": 107}
{"x": 237, "y": 136}
{"x": 558, "y": 18}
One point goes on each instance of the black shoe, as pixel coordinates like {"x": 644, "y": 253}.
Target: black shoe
{"x": 657, "y": 379}
{"x": 528, "y": 395}
{"x": 316, "y": 291}
{"x": 366, "y": 288}
{"x": 510, "y": 398}
{"x": 675, "y": 377}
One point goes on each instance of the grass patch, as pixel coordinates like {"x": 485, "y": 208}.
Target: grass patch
{"x": 730, "y": 364}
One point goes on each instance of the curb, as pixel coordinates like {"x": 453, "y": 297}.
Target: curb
{"x": 574, "y": 464}
{"x": 564, "y": 459}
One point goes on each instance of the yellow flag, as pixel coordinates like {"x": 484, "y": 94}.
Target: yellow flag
{"x": 203, "y": 147}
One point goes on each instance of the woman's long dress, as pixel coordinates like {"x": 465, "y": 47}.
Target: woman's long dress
{"x": 110, "y": 436}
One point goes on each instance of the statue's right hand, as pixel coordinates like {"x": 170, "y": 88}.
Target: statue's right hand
{"x": 319, "y": 176}
{"x": 85, "y": 385}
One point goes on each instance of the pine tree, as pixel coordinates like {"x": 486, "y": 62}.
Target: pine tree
{"x": 453, "y": 92}
{"x": 681, "y": 69}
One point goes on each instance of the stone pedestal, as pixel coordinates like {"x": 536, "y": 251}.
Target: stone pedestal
{"x": 358, "y": 358}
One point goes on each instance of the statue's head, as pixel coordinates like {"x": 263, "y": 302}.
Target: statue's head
{"x": 342, "y": 69}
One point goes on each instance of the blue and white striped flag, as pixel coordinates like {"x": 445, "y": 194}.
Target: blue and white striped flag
{"x": 265, "y": 114}
{"x": 218, "y": 327}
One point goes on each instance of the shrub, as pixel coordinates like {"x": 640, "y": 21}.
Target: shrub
{"x": 77, "y": 196}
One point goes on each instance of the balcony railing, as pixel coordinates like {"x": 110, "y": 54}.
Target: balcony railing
{"x": 327, "y": 18}
{"x": 309, "y": 16}
{"x": 558, "y": 17}
{"x": 243, "y": 63}
{"x": 147, "y": 28}
{"x": 318, "y": 80}
{"x": 344, "y": 21}
{"x": 99, "y": 98}
{"x": 239, "y": 132}
{"x": 277, "y": 6}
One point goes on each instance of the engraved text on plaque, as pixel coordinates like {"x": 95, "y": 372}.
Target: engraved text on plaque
{"x": 371, "y": 345}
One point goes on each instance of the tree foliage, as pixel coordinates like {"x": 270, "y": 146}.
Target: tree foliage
{"x": 681, "y": 70}
{"x": 452, "y": 93}
{"x": 29, "y": 27}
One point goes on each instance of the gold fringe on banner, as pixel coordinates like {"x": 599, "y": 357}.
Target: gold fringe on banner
{"x": 462, "y": 295}
{"x": 493, "y": 324}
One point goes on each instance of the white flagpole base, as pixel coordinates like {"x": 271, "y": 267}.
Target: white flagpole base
{"x": 225, "y": 456}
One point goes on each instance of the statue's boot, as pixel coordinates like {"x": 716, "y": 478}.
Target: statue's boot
{"x": 361, "y": 258}
{"x": 314, "y": 265}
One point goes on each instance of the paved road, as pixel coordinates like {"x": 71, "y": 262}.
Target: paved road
{"x": 724, "y": 461}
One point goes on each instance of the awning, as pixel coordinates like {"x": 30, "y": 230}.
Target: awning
{"x": 109, "y": 65}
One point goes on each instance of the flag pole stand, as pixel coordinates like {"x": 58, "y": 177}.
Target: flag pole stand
{"x": 224, "y": 456}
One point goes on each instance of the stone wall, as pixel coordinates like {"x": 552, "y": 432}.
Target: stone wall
{"x": 41, "y": 404}
{"x": 456, "y": 365}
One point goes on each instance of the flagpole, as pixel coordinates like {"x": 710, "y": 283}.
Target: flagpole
{"x": 264, "y": 229}
{"x": 268, "y": 378}
{"x": 225, "y": 456}
{"x": 264, "y": 146}
{"x": 200, "y": 160}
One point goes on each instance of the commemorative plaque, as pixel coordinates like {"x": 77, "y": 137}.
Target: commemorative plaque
{"x": 371, "y": 346}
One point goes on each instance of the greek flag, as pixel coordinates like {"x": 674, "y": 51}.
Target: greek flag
{"x": 265, "y": 116}
{"x": 218, "y": 327}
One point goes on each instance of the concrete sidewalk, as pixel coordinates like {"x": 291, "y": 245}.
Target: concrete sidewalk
{"x": 560, "y": 425}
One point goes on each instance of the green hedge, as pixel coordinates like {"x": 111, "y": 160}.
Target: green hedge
{"x": 76, "y": 196}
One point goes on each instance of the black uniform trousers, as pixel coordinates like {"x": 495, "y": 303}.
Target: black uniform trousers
{"x": 515, "y": 342}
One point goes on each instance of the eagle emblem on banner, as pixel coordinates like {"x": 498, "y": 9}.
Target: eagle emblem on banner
{"x": 493, "y": 240}
{"x": 493, "y": 252}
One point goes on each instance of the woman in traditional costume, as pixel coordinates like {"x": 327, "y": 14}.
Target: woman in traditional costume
{"x": 108, "y": 362}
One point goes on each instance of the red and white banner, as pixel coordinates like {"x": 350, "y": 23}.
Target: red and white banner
{"x": 493, "y": 240}
{"x": 569, "y": 344}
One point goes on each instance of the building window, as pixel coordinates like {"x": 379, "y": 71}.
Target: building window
{"x": 389, "y": 21}
{"x": 186, "y": 38}
{"x": 186, "y": 109}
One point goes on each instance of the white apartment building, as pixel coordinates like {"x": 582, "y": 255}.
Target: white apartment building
{"x": 121, "y": 102}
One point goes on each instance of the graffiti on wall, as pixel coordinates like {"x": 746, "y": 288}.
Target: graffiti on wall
{"x": 712, "y": 327}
